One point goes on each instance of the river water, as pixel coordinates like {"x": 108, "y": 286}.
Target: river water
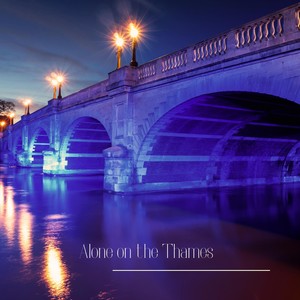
{"x": 64, "y": 238}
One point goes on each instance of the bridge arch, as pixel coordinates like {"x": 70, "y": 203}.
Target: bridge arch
{"x": 222, "y": 138}
{"x": 82, "y": 146}
{"x": 39, "y": 143}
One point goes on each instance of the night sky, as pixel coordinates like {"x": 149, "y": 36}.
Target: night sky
{"x": 37, "y": 37}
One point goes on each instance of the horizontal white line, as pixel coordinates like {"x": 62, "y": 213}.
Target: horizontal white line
{"x": 191, "y": 270}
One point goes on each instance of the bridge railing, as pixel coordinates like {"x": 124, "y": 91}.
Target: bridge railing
{"x": 40, "y": 113}
{"x": 95, "y": 91}
{"x": 272, "y": 30}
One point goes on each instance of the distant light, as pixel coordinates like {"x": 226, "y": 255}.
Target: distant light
{"x": 54, "y": 82}
{"x": 2, "y": 123}
{"x": 11, "y": 117}
{"x": 56, "y": 79}
{"x": 119, "y": 40}
{"x": 134, "y": 32}
{"x": 27, "y": 102}
{"x": 60, "y": 78}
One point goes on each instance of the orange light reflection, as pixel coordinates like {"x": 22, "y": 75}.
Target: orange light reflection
{"x": 25, "y": 234}
{"x": 10, "y": 215}
{"x": 1, "y": 202}
{"x": 55, "y": 271}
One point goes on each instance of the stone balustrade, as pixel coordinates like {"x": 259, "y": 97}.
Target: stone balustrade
{"x": 272, "y": 30}
{"x": 147, "y": 70}
{"x": 207, "y": 49}
{"x": 259, "y": 31}
{"x": 174, "y": 61}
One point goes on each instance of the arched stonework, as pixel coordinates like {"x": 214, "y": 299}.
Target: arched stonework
{"x": 39, "y": 143}
{"x": 83, "y": 145}
{"x": 221, "y": 139}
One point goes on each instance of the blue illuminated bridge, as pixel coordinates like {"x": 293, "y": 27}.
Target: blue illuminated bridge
{"x": 222, "y": 112}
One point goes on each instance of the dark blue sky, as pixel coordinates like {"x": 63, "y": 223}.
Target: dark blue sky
{"x": 37, "y": 37}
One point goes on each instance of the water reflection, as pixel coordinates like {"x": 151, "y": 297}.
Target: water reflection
{"x": 25, "y": 233}
{"x": 7, "y": 213}
{"x": 44, "y": 221}
{"x": 55, "y": 271}
{"x": 1, "y": 201}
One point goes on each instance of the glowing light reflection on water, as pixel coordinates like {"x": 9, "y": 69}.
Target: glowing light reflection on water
{"x": 45, "y": 221}
{"x": 25, "y": 233}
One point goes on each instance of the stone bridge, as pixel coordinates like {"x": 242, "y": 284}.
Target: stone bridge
{"x": 222, "y": 112}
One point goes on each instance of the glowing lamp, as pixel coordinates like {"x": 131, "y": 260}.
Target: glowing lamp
{"x": 60, "y": 78}
{"x": 27, "y": 104}
{"x": 11, "y": 117}
{"x": 134, "y": 32}
{"x": 119, "y": 42}
{"x": 56, "y": 79}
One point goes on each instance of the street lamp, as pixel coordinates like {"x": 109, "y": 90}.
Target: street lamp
{"x": 134, "y": 33}
{"x": 119, "y": 42}
{"x": 54, "y": 85}
{"x": 60, "y": 80}
{"x": 2, "y": 124}
{"x": 11, "y": 118}
{"x": 26, "y": 104}
{"x": 56, "y": 80}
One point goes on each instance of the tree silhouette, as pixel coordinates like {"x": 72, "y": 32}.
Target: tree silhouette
{"x": 6, "y": 107}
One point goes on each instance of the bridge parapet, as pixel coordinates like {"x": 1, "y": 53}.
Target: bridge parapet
{"x": 263, "y": 30}
{"x": 95, "y": 91}
{"x": 273, "y": 30}
{"x": 42, "y": 112}
{"x": 210, "y": 48}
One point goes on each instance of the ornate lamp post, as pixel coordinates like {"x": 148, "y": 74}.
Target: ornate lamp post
{"x": 54, "y": 84}
{"x": 27, "y": 104}
{"x": 56, "y": 80}
{"x": 134, "y": 33}
{"x": 60, "y": 80}
{"x": 119, "y": 42}
{"x": 11, "y": 118}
